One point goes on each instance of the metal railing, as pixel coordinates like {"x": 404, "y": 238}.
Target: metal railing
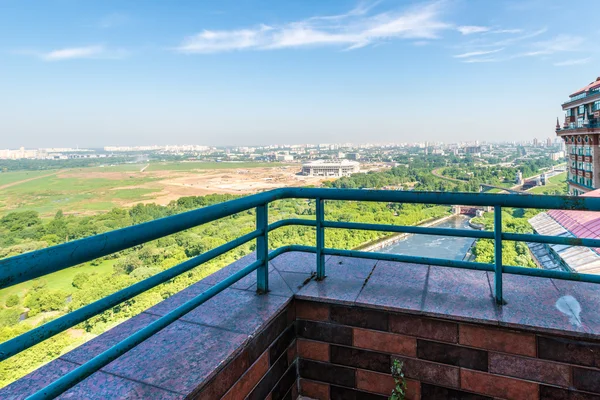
{"x": 584, "y": 95}
{"x": 32, "y": 265}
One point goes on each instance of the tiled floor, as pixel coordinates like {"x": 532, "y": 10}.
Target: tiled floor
{"x": 212, "y": 333}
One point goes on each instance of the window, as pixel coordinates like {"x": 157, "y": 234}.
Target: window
{"x": 581, "y": 109}
{"x": 596, "y": 106}
{"x": 587, "y": 150}
{"x": 570, "y": 112}
{"x": 579, "y": 124}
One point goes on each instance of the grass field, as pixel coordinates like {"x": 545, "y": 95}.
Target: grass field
{"x": 61, "y": 280}
{"x": 556, "y": 183}
{"x": 97, "y": 189}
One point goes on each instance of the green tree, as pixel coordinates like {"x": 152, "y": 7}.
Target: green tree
{"x": 12, "y": 300}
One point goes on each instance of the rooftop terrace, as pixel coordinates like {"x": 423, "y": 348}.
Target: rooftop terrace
{"x": 328, "y": 323}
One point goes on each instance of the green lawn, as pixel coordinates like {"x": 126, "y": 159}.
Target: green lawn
{"x": 555, "y": 184}
{"x": 11, "y": 177}
{"x": 58, "y": 280}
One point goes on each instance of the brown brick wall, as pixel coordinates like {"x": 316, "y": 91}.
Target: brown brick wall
{"x": 266, "y": 368}
{"x": 346, "y": 353}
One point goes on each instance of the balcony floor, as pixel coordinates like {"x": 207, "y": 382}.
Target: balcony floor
{"x": 213, "y": 334}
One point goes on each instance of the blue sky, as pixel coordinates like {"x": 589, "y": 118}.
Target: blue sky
{"x": 249, "y": 72}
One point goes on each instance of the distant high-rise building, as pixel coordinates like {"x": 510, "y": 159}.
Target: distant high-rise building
{"x": 581, "y": 134}
{"x": 548, "y": 142}
{"x": 535, "y": 142}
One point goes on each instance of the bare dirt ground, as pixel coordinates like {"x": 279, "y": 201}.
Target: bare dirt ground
{"x": 231, "y": 181}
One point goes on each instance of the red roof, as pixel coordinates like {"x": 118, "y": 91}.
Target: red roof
{"x": 582, "y": 224}
{"x": 592, "y": 85}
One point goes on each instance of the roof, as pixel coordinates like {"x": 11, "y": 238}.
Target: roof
{"x": 579, "y": 259}
{"x": 593, "y": 85}
{"x": 332, "y": 163}
{"x": 582, "y": 224}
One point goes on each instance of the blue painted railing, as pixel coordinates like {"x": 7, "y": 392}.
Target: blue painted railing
{"x": 32, "y": 265}
{"x": 584, "y": 95}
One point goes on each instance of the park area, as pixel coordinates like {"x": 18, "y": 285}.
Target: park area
{"x": 86, "y": 191}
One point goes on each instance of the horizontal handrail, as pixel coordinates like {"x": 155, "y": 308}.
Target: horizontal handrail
{"x": 38, "y": 263}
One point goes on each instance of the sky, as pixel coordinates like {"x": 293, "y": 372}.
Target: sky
{"x": 255, "y": 72}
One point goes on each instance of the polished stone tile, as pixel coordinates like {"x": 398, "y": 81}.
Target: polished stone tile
{"x": 178, "y": 299}
{"x": 231, "y": 269}
{"x": 461, "y": 294}
{"x": 395, "y": 286}
{"x": 531, "y": 302}
{"x": 345, "y": 278}
{"x": 296, "y": 261}
{"x": 295, "y": 281}
{"x": 237, "y": 310}
{"x": 99, "y": 386}
{"x": 586, "y": 303}
{"x": 179, "y": 358}
{"x": 91, "y": 349}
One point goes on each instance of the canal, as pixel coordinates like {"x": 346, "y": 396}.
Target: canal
{"x": 452, "y": 248}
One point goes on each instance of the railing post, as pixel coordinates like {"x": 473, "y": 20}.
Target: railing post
{"x": 262, "y": 248}
{"x": 320, "y": 211}
{"x": 498, "y": 252}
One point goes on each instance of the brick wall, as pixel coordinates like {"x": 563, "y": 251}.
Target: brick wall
{"x": 264, "y": 369}
{"x": 346, "y": 353}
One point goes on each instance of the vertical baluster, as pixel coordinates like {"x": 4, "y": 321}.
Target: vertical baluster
{"x": 320, "y": 211}
{"x": 262, "y": 248}
{"x": 498, "y": 252}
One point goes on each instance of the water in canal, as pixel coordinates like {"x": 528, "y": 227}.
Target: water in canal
{"x": 452, "y": 248}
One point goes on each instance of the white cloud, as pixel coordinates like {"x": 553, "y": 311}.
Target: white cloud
{"x": 471, "y": 29}
{"x": 477, "y": 53}
{"x": 351, "y": 30}
{"x": 72, "y": 53}
{"x": 578, "y": 61}
{"x": 558, "y": 44}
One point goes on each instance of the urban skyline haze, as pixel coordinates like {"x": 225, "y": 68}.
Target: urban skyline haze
{"x": 261, "y": 72}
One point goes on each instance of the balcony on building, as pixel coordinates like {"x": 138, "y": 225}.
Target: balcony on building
{"x": 323, "y": 323}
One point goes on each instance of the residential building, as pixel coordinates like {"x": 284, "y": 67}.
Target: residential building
{"x": 581, "y": 134}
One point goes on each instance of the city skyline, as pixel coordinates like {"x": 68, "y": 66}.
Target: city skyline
{"x": 258, "y": 73}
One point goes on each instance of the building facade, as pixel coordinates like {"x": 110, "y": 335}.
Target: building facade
{"x": 330, "y": 168}
{"x": 581, "y": 134}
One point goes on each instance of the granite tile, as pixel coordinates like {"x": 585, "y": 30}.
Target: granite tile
{"x": 459, "y": 294}
{"x": 176, "y": 300}
{"x": 345, "y": 278}
{"x": 231, "y": 269}
{"x": 587, "y": 296}
{"x": 98, "y": 386}
{"x": 179, "y": 358}
{"x": 267, "y": 336}
{"x": 531, "y": 302}
{"x": 227, "y": 377}
{"x": 234, "y": 310}
{"x": 99, "y": 344}
{"x": 427, "y": 371}
{"x": 395, "y": 286}
{"x": 248, "y": 380}
{"x": 296, "y": 261}
{"x": 295, "y": 280}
